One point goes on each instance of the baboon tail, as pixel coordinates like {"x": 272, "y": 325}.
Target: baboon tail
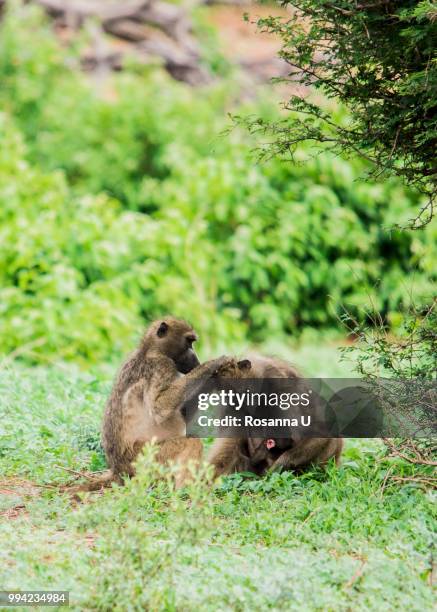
{"x": 94, "y": 483}
{"x": 100, "y": 482}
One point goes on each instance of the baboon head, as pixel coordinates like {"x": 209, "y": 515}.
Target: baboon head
{"x": 268, "y": 449}
{"x": 174, "y": 338}
{"x": 276, "y": 446}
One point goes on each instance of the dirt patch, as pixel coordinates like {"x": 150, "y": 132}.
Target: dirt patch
{"x": 18, "y": 486}
{"x": 242, "y": 43}
{"x": 14, "y": 512}
{"x": 13, "y": 494}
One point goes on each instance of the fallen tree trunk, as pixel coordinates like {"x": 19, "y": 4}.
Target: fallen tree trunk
{"x": 82, "y": 9}
{"x": 155, "y": 29}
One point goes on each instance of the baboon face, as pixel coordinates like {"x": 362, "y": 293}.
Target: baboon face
{"x": 187, "y": 361}
{"x": 268, "y": 449}
{"x": 277, "y": 446}
{"x": 175, "y": 338}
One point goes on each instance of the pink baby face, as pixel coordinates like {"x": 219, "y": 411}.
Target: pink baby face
{"x": 270, "y": 444}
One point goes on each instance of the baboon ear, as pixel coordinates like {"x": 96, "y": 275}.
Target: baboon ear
{"x": 245, "y": 364}
{"x": 162, "y": 329}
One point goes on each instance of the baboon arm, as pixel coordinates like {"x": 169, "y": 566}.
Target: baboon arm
{"x": 167, "y": 399}
{"x": 258, "y": 454}
{"x": 300, "y": 455}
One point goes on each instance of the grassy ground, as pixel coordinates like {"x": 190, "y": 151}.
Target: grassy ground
{"x": 323, "y": 541}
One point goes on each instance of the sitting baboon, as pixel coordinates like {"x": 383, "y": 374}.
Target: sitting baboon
{"x": 228, "y": 455}
{"x": 144, "y": 405}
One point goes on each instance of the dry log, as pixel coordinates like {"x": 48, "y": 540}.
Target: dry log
{"x": 127, "y": 29}
{"x": 181, "y": 63}
{"x": 169, "y": 17}
{"x": 155, "y": 29}
{"x": 92, "y": 8}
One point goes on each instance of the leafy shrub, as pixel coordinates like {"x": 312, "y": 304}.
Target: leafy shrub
{"x": 410, "y": 356}
{"x": 124, "y": 204}
{"x": 382, "y": 65}
{"x": 78, "y": 273}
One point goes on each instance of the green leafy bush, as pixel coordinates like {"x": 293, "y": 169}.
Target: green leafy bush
{"x": 78, "y": 273}
{"x": 122, "y": 204}
{"x": 382, "y": 65}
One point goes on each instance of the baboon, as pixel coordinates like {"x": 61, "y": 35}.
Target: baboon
{"x": 228, "y": 455}
{"x": 287, "y": 454}
{"x": 145, "y": 401}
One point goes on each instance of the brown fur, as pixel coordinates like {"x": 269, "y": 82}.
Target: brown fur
{"x": 228, "y": 455}
{"x": 186, "y": 453}
{"x": 145, "y": 401}
{"x": 288, "y": 454}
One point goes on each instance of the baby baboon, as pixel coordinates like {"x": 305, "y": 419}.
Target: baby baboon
{"x": 144, "y": 404}
{"x": 288, "y": 454}
{"x": 257, "y": 455}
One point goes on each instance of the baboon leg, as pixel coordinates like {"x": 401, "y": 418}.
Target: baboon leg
{"x": 313, "y": 450}
{"x": 331, "y": 449}
{"x": 186, "y": 453}
{"x": 96, "y": 483}
{"x": 124, "y": 467}
{"x": 226, "y": 456}
{"x": 339, "y": 445}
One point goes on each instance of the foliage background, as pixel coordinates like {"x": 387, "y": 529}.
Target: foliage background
{"x": 125, "y": 201}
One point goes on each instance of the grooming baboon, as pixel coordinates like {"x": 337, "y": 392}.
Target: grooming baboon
{"x": 145, "y": 401}
{"x": 258, "y": 455}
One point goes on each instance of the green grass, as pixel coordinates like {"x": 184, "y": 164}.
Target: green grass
{"x": 322, "y": 541}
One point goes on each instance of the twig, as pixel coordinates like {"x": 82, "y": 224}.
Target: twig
{"x": 310, "y": 515}
{"x": 429, "y": 482}
{"x": 357, "y": 575}
{"x": 384, "y": 482}
{"x": 22, "y": 350}
{"x": 75, "y": 472}
{"x": 431, "y": 576}
{"x": 416, "y": 461}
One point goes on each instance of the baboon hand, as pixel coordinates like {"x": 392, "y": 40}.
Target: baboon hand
{"x": 223, "y": 365}
{"x": 231, "y": 368}
{"x": 284, "y": 461}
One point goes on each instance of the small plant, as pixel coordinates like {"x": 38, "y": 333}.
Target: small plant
{"x": 410, "y": 356}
